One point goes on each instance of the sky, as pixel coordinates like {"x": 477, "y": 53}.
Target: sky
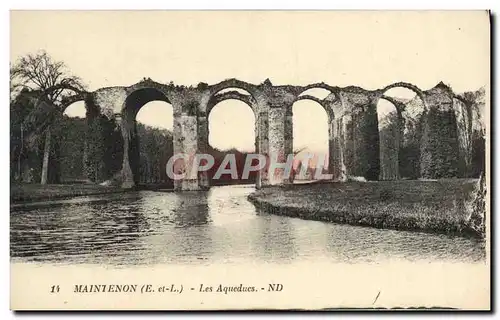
{"x": 341, "y": 48}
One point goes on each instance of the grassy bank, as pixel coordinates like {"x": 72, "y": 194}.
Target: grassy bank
{"x": 34, "y": 192}
{"x": 430, "y": 206}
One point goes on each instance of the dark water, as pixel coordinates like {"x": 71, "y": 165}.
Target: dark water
{"x": 217, "y": 226}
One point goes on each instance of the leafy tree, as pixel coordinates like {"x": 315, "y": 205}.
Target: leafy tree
{"x": 155, "y": 147}
{"x": 23, "y": 155}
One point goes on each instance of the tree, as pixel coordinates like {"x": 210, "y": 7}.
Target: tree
{"x": 40, "y": 72}
{"x": 22, "y": 154}
{"x": 389, "y": 146}
{"x": 155, "y": 147}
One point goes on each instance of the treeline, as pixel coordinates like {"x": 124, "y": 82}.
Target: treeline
{"x": 156, "y": 147}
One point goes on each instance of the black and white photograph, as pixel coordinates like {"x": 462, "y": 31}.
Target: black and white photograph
{"x": 249, "y": 160}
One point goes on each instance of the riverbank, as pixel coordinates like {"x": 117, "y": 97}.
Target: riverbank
{"x": 21, "y": 193}
{"x": 430, "y": 206}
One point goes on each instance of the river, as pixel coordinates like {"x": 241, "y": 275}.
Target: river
{"x": 209, "y": 227}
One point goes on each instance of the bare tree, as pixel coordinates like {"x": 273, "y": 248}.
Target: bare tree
{"x": 40, "y": 72}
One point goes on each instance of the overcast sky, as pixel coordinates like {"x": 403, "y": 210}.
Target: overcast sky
{"x": 368, "y": 49}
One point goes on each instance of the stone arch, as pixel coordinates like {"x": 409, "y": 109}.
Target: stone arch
{"x": 63, "y": 86}
{"x": 79, "y": 95}
{"x": 390, "y": 141}
{"x": 232, "y": 95}
{"x": 319, "y": 93}
{"x": 139, "y": 97}
{"x": 210, "y": 129}
{"x": 408, "y": 86}
{"x": 70, "y": 141}
{"x": 249, "y": 99}
{"x": 397, "y": 104}
{"x": 330, "y": 127}
{"x": 402, "y": 109}
{"x": 234, "y": 83}
{"x": 147, "y": 83}
{"x": 68, "y": 101}
{"x": 320, "y": 85}
{"x": 328, "y": 110}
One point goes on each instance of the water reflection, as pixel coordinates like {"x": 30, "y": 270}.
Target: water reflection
{"x": 218, "y": 225}
{"x": 276, "y": 239}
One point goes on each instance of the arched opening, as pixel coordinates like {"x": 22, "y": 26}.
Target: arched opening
{"x": 400, "y": 113}
{"x": 152, "y": 137}
{"x": 231, "y": 136}
{"x": 156, "y": 114}
{"x": 320, "y": 93}
{"x": 76, "y": 110}
{"x": 238, "y": 90}
{"x": 310, "y": 141}
{"x": 232, "y": 85}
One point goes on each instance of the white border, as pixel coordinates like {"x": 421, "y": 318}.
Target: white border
{"x": 255, "y": 4}
{"x": 494, "y": 5}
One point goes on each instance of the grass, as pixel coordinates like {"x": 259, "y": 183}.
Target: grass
{"x": 430, "y": 206}
{"x": 34, "y": 192}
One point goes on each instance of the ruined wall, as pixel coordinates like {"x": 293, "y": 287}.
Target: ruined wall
{"x": 333, "y": 149}
{"x": 203, "y": 177}
{"x": 288, "y": 134}
{"x": 354, "y": 140}
{"x": 439, "y": 156}
{"x": 110, "y": 100}
{"x": 263, "y": 143}
{"x": 189, "y": 133}
{"x": 369, "y": 147}
{"x": 338, "y": 149}
{"x": 362, "y": 154}
{"x": 276, "y": 143}
{"x": 468, "y": 109}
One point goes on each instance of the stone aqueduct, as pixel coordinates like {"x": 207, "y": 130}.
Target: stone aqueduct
{"x": 348, "y": 109}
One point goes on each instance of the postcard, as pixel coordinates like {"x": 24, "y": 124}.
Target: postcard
{"x": 250, "y": 160}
